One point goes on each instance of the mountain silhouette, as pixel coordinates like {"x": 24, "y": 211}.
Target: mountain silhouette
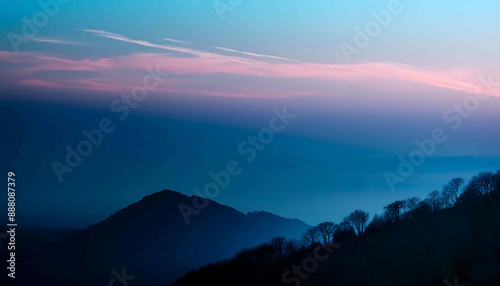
{"x": 151, "y": 241}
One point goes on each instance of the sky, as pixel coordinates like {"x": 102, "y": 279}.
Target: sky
{"x": 363, "y": 79}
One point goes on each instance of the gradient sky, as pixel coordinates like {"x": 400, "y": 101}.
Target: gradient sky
{"x": 222, "y": 78}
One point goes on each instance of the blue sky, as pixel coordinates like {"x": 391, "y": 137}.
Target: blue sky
{"x": 221, "y": 81}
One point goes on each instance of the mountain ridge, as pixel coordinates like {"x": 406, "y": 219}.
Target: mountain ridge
{"x": 151, "y": 240}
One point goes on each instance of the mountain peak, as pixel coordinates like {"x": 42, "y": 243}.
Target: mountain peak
{"x": 154, "y": 231}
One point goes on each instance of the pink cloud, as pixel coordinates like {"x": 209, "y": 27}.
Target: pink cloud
{"x": 33, "y": 66}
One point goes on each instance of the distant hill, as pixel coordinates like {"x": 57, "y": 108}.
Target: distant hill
{"x": 151, "y": 240}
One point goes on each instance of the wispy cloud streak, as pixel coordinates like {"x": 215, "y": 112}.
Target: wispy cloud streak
{"x": 212, "y": 66}
{"x": 177, "y": 41}
{"x": 57, "y": 41}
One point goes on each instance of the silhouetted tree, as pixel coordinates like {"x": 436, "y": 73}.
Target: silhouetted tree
{"x": 311, "y": 236}
{"x": 393, "y": 211}
{"x": 245, "y": 254}
{"x": 280, "y": 246}
{"x": 291, "y": 246}
{"x": 326, "y": 231}
{"x": 435, "y": 201}
{"x": 482, "y": 183}
{"x": 451, "y": 191}
{"x": 413, "y": 203}
{"x": 409, "y": 207}
{"x": 358, "y": 220}
{"x": 377, "y": 222}
{"x": 497, "y": 182}
{"x": 344, "y": 231}
{"x": 264, "y": 255}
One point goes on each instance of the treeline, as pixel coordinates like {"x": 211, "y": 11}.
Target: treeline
{"x": 452, "y": 233}
{"x": 456, "y": 191}
{"x": 261, "y": 265}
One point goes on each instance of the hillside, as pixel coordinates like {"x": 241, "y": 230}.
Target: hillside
{"x": 457, "y": 245}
